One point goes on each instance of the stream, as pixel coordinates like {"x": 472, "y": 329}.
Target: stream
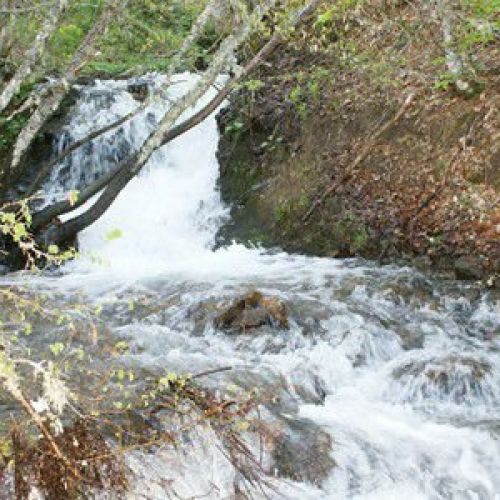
{"x": 386, "y": 384}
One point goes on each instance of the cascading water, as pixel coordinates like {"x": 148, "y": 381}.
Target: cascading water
{"x": 388, "y": 383}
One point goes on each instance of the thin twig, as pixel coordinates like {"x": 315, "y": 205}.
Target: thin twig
{"x": 211, "y": 372}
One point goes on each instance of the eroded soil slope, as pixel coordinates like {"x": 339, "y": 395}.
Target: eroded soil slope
{"x": 320, "y": 153}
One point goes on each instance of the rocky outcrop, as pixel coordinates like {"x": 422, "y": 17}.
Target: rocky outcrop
{"x": 455, "y": 378}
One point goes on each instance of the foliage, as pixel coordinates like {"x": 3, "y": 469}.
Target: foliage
{"x": 15, "y": 224}
{"x": 10, "y": 126}
{"x": 152, "y": 31}
{"x": 79, "y": 379}
{"x": 10, "y": 129}
{"x": 481, "y": 23}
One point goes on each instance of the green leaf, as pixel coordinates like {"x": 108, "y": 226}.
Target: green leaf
{"x": 254, "y": 85}
{"x": 5, "y": 447}
{"x": 19, "y": 231}
{"x": 8, "y": 218}
{"x": 165, "y": 381}
{"x": 325, "y": 18}
{"x": 122, "y": 346}
{"x": 114, "y": 234}
{"x": 242, "y": 426}
{"x": 53, "y": 250}
{"x": 57, "y": 348}
{"x": 73, "y": 197}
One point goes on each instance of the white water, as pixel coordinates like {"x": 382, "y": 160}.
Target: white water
{"x": 416, "y": 419}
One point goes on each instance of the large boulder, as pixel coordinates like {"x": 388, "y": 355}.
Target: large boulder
{"x": 253, "y": 311}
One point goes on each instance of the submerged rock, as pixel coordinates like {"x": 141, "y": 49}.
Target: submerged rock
{"x": 252, "y": 311}
{"x": 411, "y": 337}
{"x": 460, "y": 379}
{"x": 303, "y": 453}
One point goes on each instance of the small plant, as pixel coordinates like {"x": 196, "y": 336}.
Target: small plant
{"x": 234, "y": 128}
{"x": 9, "y": 130}
{"x": 253, "y": 85}
{"x": 445, "y": 81}
{"x": 359, "y": 239}
{"x": 15, "y": 224}
{"x": 296, "y": 96}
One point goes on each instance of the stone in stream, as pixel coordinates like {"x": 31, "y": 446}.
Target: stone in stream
{"x": 411, "y": 337}
{"x": 468, "y": 267}
{"x": 454, "y": 377}
{"x": 138, "y": 89}
{"x": 303, "y": 452}
{"x": 253, "y": 311}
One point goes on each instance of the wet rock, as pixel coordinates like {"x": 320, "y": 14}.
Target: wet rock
{"x": 436, "y": 370}
{"x": 468, "y": 267}
{"x": 303, "y": 452}
{"x": 311, "y": 389}
{"x": 202, "y": 314}
{"x": 411, "y": 337}
{"x": 252, "y": 318}
{"x": 494, "y": 282}
{"x": 456, "y": 378}
{"x": 253, "y": 311}
{"x": 139, "y": 90}
{"x": 422, "y": 262}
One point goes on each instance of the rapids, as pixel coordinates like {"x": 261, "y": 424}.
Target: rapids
{"x": 388, "y": 380}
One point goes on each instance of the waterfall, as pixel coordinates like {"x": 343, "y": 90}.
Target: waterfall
{"x": 166, "y": 215}
{"x": 388, "y": 381}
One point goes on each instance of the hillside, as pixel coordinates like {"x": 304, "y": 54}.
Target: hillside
{"x": 321, "y": 154}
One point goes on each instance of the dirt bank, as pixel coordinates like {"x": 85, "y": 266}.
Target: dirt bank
{"x": 320, "y": 154}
